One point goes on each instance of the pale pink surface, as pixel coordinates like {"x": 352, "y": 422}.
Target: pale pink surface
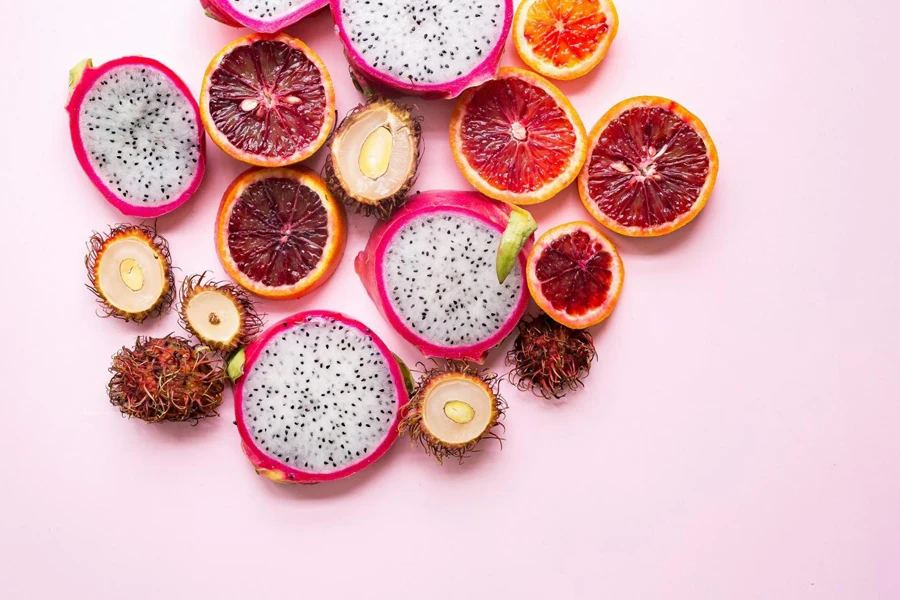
{"x": 738, "y": 438}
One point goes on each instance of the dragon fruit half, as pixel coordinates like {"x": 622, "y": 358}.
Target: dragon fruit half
{"x": 264, "y": 16}
{"x": 432, "y": 48}
{"x": 431, "y": 271}
{"x": 137, "y": 134}
{"x": 319, "y": 399}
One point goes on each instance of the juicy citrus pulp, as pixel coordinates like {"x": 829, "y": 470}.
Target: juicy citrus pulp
{"x": 564, "y": 39}
{"x": 575, "y": 274}
{"x": 517, "y": 138}
{"x": 650, "y": 169}
{"x": 280, "y": 234}
{"x": 268, "y": 100}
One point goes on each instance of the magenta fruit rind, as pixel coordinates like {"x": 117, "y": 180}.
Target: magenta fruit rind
{"x": 370, "y": 263}
{"x": 224, "y": 11}
{"x": 379, "y": 80}
{"x": 81, "y": 80}
{"x": 278, "y": 471}
{"x": 213, "y": 12}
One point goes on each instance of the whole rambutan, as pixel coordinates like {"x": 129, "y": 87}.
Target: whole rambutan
{"x": 549, "y": 358}
{"x": 166, "y": 379}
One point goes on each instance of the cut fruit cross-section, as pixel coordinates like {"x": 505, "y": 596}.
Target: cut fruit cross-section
{"x": 564, "y": 39}
{"x": 220, "y": 315}
{"x": 651, "y": 167}
{"x": 279, "y": 233}
{"x": 267, "y": 100}
{"x": 130, "y": 272}
{"x": 374, "y": 157}
{"x": 575, "y": 274}
{"x": 517, "y": 138}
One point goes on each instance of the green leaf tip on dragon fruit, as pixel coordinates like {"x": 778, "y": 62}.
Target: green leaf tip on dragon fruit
{"x": 76, "y": 73}
{"x": 520, "y": 228}
{"x": 235, "y": 366}
{"x": 408, "y": 378}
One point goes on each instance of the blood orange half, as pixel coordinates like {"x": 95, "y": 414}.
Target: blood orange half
{"x": 517, "y": 138}
{"x": 575, "y": 274}
{"x": 267, "y": 100}
{"x": 651, "y": 167}
{"x": 564, "y": 39}
{"x": 279, "y": 233}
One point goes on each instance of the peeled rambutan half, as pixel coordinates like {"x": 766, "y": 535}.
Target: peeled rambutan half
{"x": 220, "y": 315}
{"x": 375, "y": 157}
{"x": 166, "y": 379}
{"x": 454, "y": 407}
{"x": 549, "y": 358}
{"x": 130, "y": 272}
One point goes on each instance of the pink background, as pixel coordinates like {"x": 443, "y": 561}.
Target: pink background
{"x": 737, "y": 439}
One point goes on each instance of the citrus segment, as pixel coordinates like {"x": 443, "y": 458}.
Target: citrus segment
{"x": 575, "y": 274}
{"x": 517, "y": 138}
{"x": 564, "y": 39}
{"x": 268, "y": 100}
{"x": 280, "y": 234}
{"x": 651, "y": 168}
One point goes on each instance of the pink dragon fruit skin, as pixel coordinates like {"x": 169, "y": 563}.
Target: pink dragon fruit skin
{"x": 228, "y": 12}
{"x": 383, "y": 82}
{"x": 213, "y": 12}
{"x": 370, "y": 267}
{"x": 278, "y": 470}
{"x": 86, "y": 82}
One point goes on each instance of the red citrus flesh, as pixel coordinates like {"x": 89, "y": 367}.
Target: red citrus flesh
{"x": 269, "y": 101}
{"x": 517, "y": 138}
{"x": 277, "y": 231}
{"x": 566, "y": 32}
{"x": 575, "y": 274}
{"x": 651, "y": 169}
{"x": 280, "y": 233}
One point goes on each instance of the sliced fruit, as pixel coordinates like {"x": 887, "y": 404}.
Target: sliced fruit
{"x": 220, "y": 315}
{"x": 375, "y": 157}
{"x": 136, "y": 132}
{"x": 267, "y": 100}
{"x": 575, "y": 274}
{"x": 651, "y": 167}
{"x": 517, "y": 138}
{"x": 279, "y": 233}
{"x": 130, "y": 272}
{"x": 564, "y": 39}
{"x": 453, "y": 408}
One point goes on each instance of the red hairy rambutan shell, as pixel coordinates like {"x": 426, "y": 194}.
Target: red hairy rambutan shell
{"x": 166, "y": 379}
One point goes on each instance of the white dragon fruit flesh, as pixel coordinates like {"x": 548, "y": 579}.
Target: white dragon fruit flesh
{"x": 432, "y": 48}
{"x": 264, "y": 16}
{"x": 137, "y": 134}
{"x": 432, "y": 273}
{"x": 319, "y": 400}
